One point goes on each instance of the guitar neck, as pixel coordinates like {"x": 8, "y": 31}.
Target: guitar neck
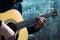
{"x": 25, "y": 23}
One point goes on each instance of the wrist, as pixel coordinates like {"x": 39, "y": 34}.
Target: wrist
{"x": 37, "y": 27}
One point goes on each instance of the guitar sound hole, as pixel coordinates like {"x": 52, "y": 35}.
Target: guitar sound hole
{"x": 12, "y": 26}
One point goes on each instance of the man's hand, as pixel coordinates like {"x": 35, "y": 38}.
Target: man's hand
{"x": 40, "y": 22}
{"x": 7, "y": 32}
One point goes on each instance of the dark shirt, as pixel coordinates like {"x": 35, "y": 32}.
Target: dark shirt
{"x": 5, "y": 5}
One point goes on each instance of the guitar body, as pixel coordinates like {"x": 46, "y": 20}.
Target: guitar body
{"x": 14, "y": 16}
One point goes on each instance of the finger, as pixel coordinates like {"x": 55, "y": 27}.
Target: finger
{"x": 40, "y": 21}
{"x": 39, "y": 14}
{"x": 43, "y": 19}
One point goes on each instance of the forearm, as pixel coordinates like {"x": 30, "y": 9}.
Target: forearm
{"x": 33, "y": 29}
{"x": 7, "y": 32}
{"x": 38, "y": 27}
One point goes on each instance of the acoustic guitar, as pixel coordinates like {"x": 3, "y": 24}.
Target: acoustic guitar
{"x": 14, "y": 16}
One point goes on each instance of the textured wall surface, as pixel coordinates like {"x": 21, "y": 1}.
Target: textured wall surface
{"x": 52, "y": 29}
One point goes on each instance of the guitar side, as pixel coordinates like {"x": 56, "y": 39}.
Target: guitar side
{"x": 14, "y": 16}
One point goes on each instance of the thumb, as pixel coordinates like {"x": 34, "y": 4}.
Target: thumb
{"x": 39, "y": 15}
